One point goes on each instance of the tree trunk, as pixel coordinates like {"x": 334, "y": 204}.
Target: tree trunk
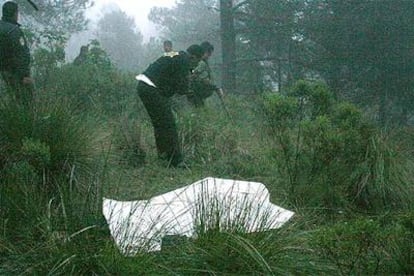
{"x": 383, "y": 101}
{"x": 228, "y": 44}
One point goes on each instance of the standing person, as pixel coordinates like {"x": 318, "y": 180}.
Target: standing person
{"x": 15, "y": 56}
{"x": 202, "y": 83}
{"x": 168, "y": 48}
{"x": 83, "y": 55}
{"x": 161, "y": 80}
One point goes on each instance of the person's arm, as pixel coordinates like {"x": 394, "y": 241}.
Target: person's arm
{"x": 182, "y": 74}
{"x": 201, "y": 72}
{"x": 21, "y": 55}
{"x": 202, "y": 76}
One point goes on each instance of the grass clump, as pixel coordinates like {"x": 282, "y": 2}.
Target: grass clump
{"x": 48, "y": 193}
{"x": 321, "y": 157}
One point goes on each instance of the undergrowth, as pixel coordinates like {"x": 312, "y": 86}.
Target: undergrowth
{"x": 347, "y": 181}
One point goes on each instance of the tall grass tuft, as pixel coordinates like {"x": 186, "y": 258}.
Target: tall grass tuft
{"x": 221, "y": 252}
{"x": 383, "y": 178}
{"x": 224, "y": 247}
{"x": 52, "y": 140}
{"x": 49, "y": 190}
{"x": 128, "y": 139}
{"x": 213, "y": 141}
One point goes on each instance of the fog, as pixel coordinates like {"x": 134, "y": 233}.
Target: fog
{"x": 138, "y": 10}
{"x": 312, "y": 98}
{"x": 360, "y": 49}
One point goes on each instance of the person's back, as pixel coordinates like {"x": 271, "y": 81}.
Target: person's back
{"x": 169, "y": 73}
{"x": 7, "y": 29}
{"x": 14, "y": 52}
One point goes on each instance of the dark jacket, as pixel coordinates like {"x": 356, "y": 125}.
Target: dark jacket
{"x": 14, "y": 52}
{"x": 170, "y": 74}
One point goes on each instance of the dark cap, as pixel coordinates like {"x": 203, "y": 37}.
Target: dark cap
{"x": 9, "y": 9}
{"x": 195, "y": 50}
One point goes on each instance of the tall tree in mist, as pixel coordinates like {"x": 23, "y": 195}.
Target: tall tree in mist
{"x": 365, "y": 45}
{"x": 190, "y": 21}
{"x": 55, "y": 20}
{"x": 243, "y": 29}
{"x": 121, "y": 39}
{"x": 269, "y": 29}
{"x": 362, "y": 49}
{"x": 228, "y": 43}
{"x": 48, "y": 31}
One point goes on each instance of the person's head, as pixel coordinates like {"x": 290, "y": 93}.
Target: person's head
{"x": 10, "y": 11}
{"x": 208, "y": 49}
{"x": 84, "y": 49}
{"x": 167, "y": 46}
{"x": 195, "y": 53}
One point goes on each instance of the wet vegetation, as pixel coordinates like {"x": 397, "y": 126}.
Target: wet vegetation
{"x": 320, "y": 113}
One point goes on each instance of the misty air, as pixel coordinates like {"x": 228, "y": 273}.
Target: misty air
{"x": 204, "y": 137}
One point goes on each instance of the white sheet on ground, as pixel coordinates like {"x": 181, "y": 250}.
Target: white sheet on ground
{"x": 209, "y": 203}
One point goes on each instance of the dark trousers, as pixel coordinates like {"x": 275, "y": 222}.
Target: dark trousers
{"x": 23, "y": 93}
{"x": 162, "y": 118}
{"x": 195, "y": 100}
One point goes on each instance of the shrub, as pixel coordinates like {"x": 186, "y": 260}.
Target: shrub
{"x": 354, "y": 247}
{"x": 367, "y": 246}
{"x": 332, "y": 156}
{"x": 94, "y": 86}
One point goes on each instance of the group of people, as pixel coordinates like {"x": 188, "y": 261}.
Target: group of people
{"x": 184, "y": 72}
{"x": 175, "y": 72}
{"x": 202, "y": 84}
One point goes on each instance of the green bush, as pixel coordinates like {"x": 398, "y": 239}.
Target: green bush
{"x": 95, "y": 86}
{"x": 353, "y": 247}
{"x": 367, "y": 246}
{"x": 92, "y": 89}
{"x": 332, "y": 157}
{"x": 401, "y": 244}
{"x": 315, "y": 98}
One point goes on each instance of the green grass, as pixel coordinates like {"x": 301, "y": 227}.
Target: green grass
{"x": 350, "y": 195}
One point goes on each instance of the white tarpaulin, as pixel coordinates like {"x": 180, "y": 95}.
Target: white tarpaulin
{"x": 209, "y": 203}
